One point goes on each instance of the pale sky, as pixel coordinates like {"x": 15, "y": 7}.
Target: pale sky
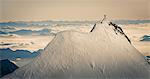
{"x": 20, "y": 10}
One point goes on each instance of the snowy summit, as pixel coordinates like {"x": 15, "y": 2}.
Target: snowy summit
{"x": 104, "y": 53}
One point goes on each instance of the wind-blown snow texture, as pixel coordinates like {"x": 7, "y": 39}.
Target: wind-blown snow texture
{"x": 101, "y": 54}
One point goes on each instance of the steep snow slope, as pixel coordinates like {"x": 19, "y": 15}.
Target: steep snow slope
{"x": 101, "y": 54}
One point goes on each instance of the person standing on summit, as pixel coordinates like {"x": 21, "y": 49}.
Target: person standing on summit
{"x": 103, "y": 19}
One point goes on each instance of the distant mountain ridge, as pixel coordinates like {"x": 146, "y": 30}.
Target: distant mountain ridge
{"x": 1, "y": 32}
{"x": 7, "y": 53}
{"x": 145, "y": 38}
{"x": 28, "y": 32}
{"x": 6, "y": 67}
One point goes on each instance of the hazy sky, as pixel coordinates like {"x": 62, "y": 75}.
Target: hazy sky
{"x": 73, "y": 9}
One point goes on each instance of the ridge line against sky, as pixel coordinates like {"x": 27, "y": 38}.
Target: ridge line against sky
{"x": 35, "y": 10}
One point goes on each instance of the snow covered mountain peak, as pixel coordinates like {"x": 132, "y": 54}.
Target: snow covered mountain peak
{"x": 103, "y": 53}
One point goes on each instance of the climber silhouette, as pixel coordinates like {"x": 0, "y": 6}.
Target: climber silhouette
{"x": 103, "y": 19}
